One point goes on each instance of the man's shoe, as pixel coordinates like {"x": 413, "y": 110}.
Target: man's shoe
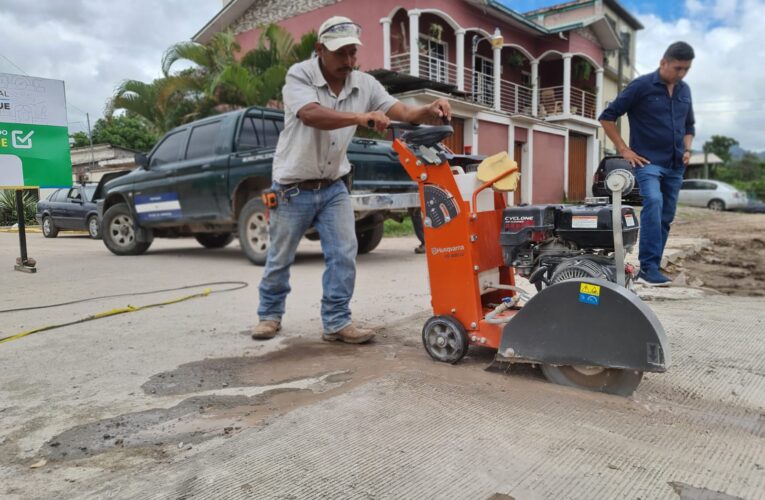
{"x": 266, "y": 330}
{"x": 420, "y": 249}
{"x": 350, "y": 335}
{"x": 652, "y": 278}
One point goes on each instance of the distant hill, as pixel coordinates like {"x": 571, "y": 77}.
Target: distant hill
{"x": 737, "y": 152}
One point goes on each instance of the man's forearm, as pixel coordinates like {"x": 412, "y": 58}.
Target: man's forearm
{"x": 688, "y": 142}
{"x": 317, "y": 116}
{"x": 411, "y": 114}
{"x": 613, "y": 133}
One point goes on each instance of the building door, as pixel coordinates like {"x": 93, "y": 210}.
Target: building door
{"x": 483, "y": 83}
{"x": 577, "y": 167}
{"x": 517, "y": 156}
{"x": 456, "y": 141}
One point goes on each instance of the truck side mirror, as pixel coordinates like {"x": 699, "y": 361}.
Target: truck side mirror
{"x": 141, "y": 160}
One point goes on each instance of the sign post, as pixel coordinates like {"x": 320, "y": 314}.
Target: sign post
{"x": 34, "y": 142}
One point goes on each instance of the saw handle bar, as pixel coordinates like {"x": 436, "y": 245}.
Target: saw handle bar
{"x": 486, "y": 185}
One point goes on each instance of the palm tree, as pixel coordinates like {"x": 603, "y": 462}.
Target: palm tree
{"x": 276, "y": 52}
{"x": 218, "y": 80}
{"x": 255, "y": 78}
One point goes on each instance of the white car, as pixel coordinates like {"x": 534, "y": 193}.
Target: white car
{"x": 715, "y": 195}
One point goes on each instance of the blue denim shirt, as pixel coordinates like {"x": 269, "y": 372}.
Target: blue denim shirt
{"x": 658, "y": 122}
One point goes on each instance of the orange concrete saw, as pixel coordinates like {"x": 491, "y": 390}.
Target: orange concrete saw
{"x": 584, "y": 325}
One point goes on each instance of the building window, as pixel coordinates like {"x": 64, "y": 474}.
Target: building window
{"x": 435, "y": 51}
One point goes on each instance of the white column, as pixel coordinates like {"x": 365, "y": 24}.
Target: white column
{"x": 598, "y": 92}
{"x": 497, "y": 75}
{"x": 534, "y": 88}
{"x": 414, "y": 45}
{"x": 566, "y": 84}
{"x": 460, "y": 34}
{"x": 386, "y": 42}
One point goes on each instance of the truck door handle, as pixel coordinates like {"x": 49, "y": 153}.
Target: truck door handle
{"x": 207, "y": 165}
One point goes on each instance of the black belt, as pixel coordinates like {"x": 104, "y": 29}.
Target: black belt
{"x": 313, "y": 184}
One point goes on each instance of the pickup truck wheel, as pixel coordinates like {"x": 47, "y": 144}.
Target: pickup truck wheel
{"x": 253, "y": 231}
{"x": 94, "y": 228}
{"x": 369, "y": 238}
{"x": 49, "y": 230}
{"x": 118, "y": 232}
{"x": 214, "y": 240}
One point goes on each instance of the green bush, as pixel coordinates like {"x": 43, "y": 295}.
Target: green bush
{"x": 8, "y": 215}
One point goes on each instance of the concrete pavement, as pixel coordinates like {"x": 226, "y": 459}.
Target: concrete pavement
{"x": 179, "y": 402}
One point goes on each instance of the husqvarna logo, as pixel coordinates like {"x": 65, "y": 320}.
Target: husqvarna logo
{"x": 438, "y": 250}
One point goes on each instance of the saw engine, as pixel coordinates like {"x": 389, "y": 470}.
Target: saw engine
{"x": 548, "y": 244}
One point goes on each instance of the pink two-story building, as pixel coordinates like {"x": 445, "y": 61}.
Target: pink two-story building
{"x": 513, "y": 84}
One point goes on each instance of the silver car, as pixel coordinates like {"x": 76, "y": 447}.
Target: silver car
{"x": 715, "y": 195}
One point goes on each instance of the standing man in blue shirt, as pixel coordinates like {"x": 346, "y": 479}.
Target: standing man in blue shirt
{"x": 658, "y": 106}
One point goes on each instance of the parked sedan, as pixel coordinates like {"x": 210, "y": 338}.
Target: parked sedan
{"x": 69, "y": 208}
{"x": 715, "y": 195}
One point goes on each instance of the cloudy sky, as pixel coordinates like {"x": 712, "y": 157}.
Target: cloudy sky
{"x": 94, "y": 44}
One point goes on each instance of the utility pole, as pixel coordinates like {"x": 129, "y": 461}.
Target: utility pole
{"x": 90, "y": 138}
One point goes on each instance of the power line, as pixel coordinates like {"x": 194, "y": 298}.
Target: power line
{"x": 14, "y": 64}
{"x": 27, "y": 74}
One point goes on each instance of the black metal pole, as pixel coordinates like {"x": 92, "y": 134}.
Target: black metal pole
{"x": 22, "y": 229}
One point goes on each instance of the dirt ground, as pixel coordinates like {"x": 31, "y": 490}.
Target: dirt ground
{"x": 734, "y": 263}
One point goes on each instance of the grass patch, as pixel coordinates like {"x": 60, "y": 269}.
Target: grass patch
{"x": 404, "y": 228}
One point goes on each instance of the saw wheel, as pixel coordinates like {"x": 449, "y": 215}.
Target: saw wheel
{"x": 595, "y": 378}
{"x": 445, "y": 339}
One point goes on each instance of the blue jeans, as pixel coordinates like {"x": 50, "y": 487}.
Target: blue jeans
{"x": 329, "y": 211}
{"x": 659, "y": 187}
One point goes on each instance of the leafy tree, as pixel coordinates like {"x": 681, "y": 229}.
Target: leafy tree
{"x": 220, "y": 78}
{"x": 720, "y": 145}
{"x": 747, "y": 174}
{"x": 81, "y": 139}
{"x": 160, "y": 102}
{"x": 126, "y": 131}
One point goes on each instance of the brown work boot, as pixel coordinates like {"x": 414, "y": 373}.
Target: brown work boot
{"x": 266, "y": 330}
{"x": 350, "y": 335}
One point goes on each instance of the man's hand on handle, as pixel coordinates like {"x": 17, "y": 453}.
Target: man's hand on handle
{"x": 635, "y": 159}
{"x": 376, "y": 120}
{"x": 441, "y": 110}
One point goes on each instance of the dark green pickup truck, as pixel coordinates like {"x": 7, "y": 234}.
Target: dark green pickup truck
{"x": 204, "y": 179}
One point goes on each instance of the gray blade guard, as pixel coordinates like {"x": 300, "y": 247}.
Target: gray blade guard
{"x": 593, "y": 322}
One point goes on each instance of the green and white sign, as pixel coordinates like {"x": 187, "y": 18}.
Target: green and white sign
{"x": 34, "y": 139}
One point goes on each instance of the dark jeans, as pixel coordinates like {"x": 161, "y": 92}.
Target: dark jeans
{"x": 419, "y": 230}
{"x": 659, "y": 188}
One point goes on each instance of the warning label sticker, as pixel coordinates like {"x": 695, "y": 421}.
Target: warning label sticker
{"x": 629, "y": 220}
{"x": 584, "y": 222}
{"x": 589, "y": 289}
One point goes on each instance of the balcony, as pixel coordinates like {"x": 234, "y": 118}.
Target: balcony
{"x": 551, "y": 102}
{"x": 514, "y": 99}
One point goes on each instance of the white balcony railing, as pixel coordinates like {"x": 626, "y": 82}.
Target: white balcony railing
{"x": 514, "y": 98}
{"x": 582, "y": 103}
{"x": 550, "y": 101}
{"x": 431, "y": 68}
{"x": 479, "y": 87}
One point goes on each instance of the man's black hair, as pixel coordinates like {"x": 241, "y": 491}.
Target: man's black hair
{"x": 679, "y": 51}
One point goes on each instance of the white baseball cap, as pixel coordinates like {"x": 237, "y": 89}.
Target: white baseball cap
{"x": 338, "y": 32}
